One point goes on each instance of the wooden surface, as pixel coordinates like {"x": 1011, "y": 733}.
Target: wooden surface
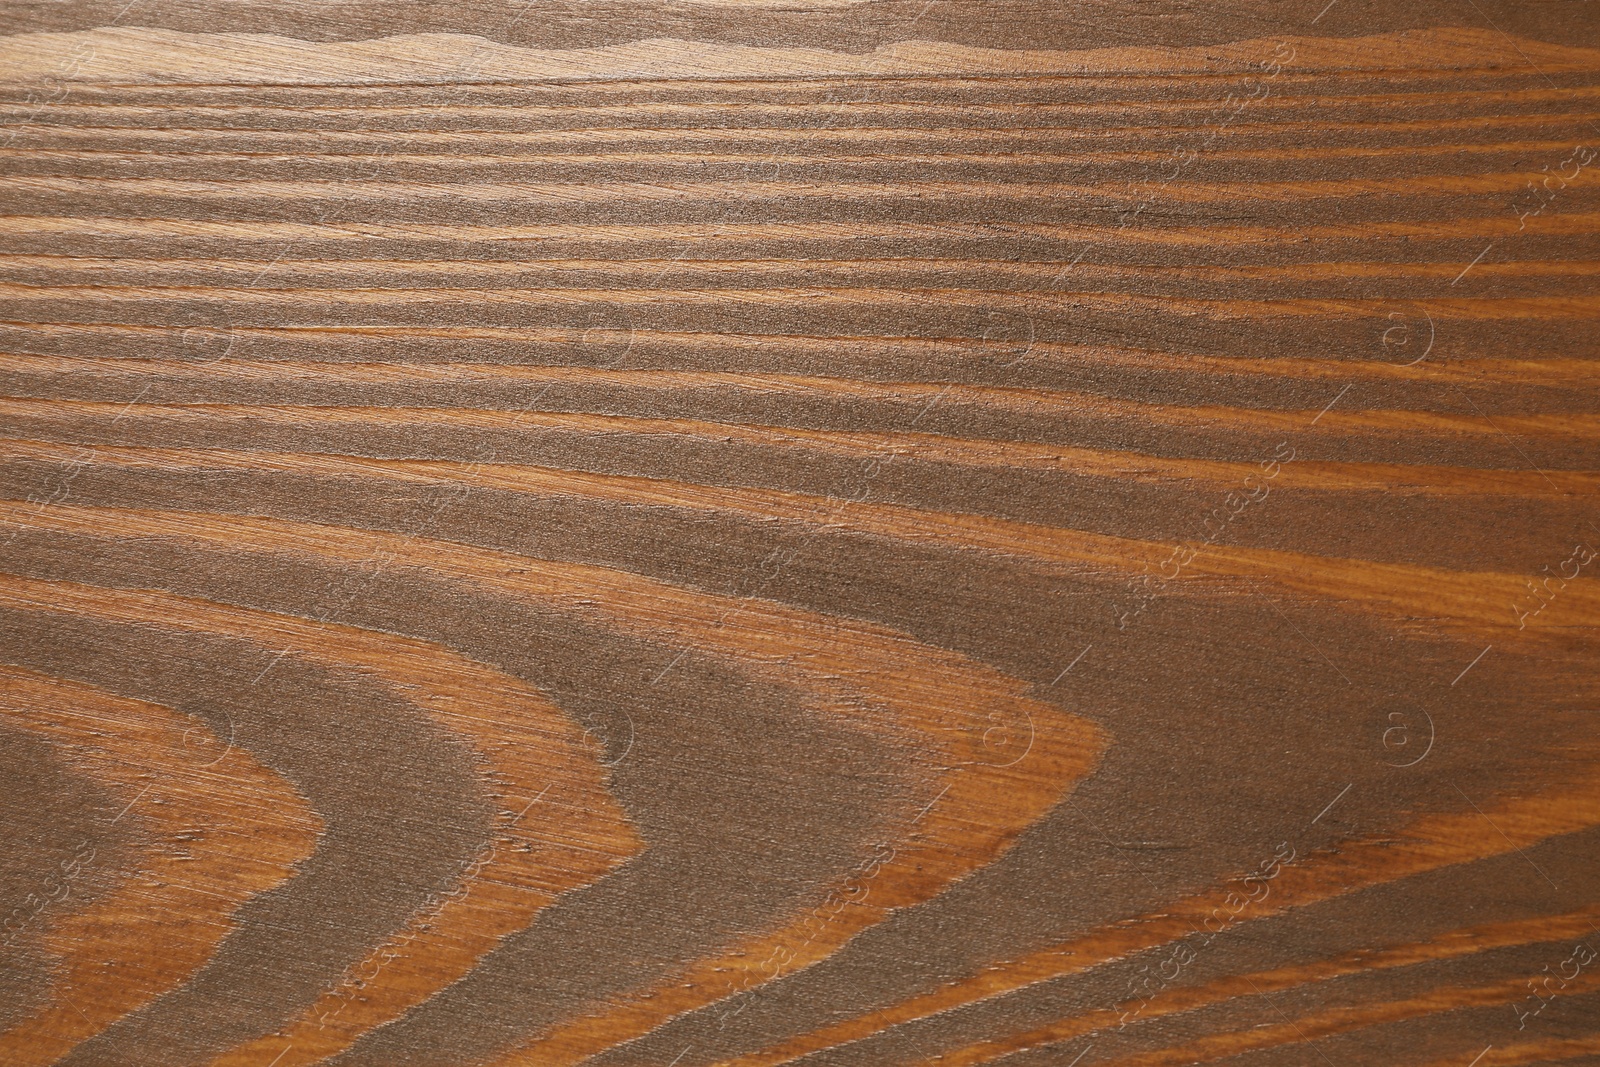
{"x": 844, "y": 532}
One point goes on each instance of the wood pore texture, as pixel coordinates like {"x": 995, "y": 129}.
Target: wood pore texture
{"x": 832, "y": 532}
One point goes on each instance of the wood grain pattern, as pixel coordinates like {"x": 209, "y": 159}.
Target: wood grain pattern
{"x": 843, "y": 532}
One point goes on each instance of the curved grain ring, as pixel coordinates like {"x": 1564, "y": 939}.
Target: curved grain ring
{"x": 1312, "y": 1025}
{"x": 520, "y": 871}
{"x": 1429, "y": 843}
{"x": 1459, "y": 943}
{"x": 223, "y": 827}
{"x": 1072, "y": 298}
{"x": 935, "y": 698}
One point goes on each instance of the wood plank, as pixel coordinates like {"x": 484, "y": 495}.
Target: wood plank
{"x": 842, "y": 532}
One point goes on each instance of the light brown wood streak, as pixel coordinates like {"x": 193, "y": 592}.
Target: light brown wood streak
{"x": 1310, "y": 1027}
{"x": 906, "y": 273}
{"x": 1303, "y": 424}
{"x": 702, "y": 389}
{"x": 69, "y": 156}
{"x": 530, "y": 192}
{"x": 1035, "y": 86}
{"x": 1470, "y": 46}
{"x": 1442, "y": 368}
{"x": 224, "y": 828}
{"x": 1521, "y": 1053}
{"x": 1566, "y": 223}
{"x": 952, "y": 708}
{"x": 1454, "y": 98}
{"x": 816, "y": 147}
{"x": 140, "y": 54}
{"x": 1308, "y": 474}
{"x": 1459, "y": 943}
{"x": 649, "y": 270}
{"x": 1411, "y": 597}
{"x": 531, "y": 860}
{"x": 1429, "y": 843}
{"x": 245, "y": 373}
